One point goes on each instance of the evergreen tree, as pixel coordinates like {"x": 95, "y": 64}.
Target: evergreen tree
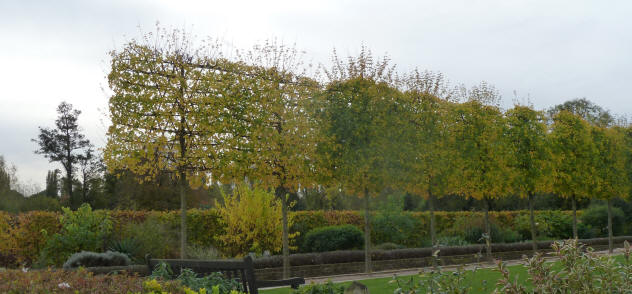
{"x": 64, "y": 143}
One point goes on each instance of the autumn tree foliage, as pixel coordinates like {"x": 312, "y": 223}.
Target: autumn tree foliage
{"x": 280, "y": 129}
{"x": 482, "y": 167}
{"x": 611, "y": 179}
{"x": 428, "y": 151}
{"x": 170, "y": 109}
{"x": 573, "y": 155}
{"x": 530, "y": 156}
{"x": 360, "y": 113}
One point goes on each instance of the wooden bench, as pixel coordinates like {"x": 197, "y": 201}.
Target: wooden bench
{"x": 240, "y": 270}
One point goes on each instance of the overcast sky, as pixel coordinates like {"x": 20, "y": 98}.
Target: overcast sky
{"x": 550, "y": 51}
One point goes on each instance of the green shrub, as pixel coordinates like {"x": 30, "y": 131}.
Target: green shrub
{"x": 152, "y": 236}
{"x": 191, "y": 280}
{"x": 333, "y": 238}
{"x": 393, "y": 226}
{"x": 81, "y": 230}
{"x": 92, "y": 259}
{"x": 550, "y": 224}
{"x": 326, "y": 288}
{"x": 129, "y": 247}
{"x": 595, "y": 220}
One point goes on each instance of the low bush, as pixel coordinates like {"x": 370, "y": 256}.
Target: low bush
{"x": 333, "y": 238}
{"x": 595, "y": 221}
{"x": 214, "y": 283}
{"x": 129, "y": 247}
{"x": 93, "y": 259}
{"x": 152, "y": 237}
{"x": 81, "y": 230}
{"x": 325, "y": 288}
{"x": 394, "y": 226}
{"x": 75, "y": 281}
{"x": 252, "y": 222}
{"x": 549, "y": 225}
{"x": 581, "y": 270}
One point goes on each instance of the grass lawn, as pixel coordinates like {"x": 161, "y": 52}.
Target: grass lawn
{"x": 481, "y": 281}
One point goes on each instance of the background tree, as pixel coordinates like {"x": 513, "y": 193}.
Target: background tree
{"x": 64, "y": 143}
{"x": 591, "y": 112}
{"x": 483, "y": 153}
{"x": 7, "y": 175}
{"x": 52, "y": 183}
{"x": 530, "y": 156}
{"x": 359, "y": 111}
{"x": 573, "y": 153}
{"x": 610, "y": 169}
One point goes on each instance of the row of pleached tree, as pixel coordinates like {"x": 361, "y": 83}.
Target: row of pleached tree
{"x": 208, "y": 114}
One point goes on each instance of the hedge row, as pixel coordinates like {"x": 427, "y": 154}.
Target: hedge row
{"x": 23, "y": 236}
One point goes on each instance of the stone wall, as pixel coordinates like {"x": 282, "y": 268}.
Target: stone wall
{"x": 319, "y": 270}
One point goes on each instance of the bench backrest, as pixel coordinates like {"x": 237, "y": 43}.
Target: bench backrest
{"x": 241, "y": 270}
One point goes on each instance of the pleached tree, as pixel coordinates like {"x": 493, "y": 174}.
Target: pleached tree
{"x": 428, "y": 150}
{"x": 482, "y": 167}
{"x": 530, "y": 156}
{"x": 611, "y": 179}
{"x": 573, "y": 157}
{"x": 359, "y": 114}
{"x": 280, "y": 133}
{"x": 171, "y": 105}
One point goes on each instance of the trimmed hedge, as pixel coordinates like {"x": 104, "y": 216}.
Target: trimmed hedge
{"x": 332, "y": 238}
{"x": 24, "y": 236}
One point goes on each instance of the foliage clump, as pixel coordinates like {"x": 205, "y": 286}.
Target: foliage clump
{"x": 582, "y": 271}
{"x": 252, "y": 220}
{"x": 92, "y": 259}
{"x": 81, "y": 230}
{"x": 215, "y": 283}
{"x": 333, "y": 238}
{"x": 324, "y": 288}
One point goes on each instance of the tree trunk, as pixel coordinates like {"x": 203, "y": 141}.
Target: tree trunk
{"x": 367, "y": 233}
{"x": 433, "y": 233}
{"x": 610, "y": 245}
{"x": 574, "y": 217}
{"x": 183, "y": 216}
{"x": 488, "y": 230}
{"x": 532, "y": 220}
{"x": 286, "y": 240}
{"x": 71, "y": 199}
